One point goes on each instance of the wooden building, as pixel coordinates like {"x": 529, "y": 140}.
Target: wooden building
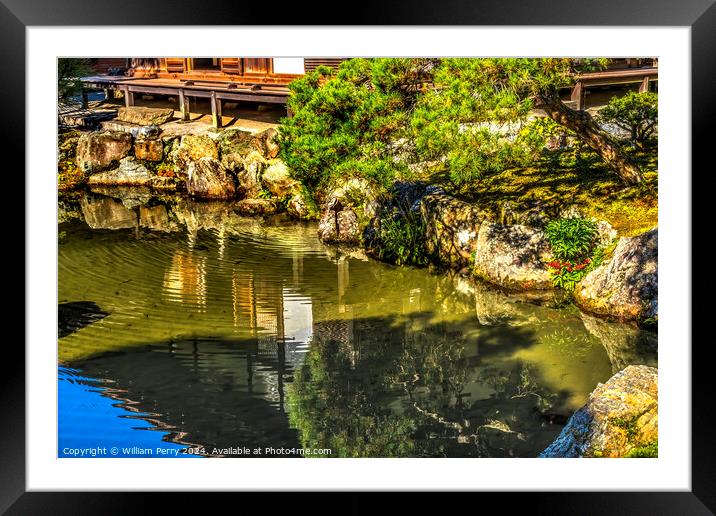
{"x": 235, "y": 79}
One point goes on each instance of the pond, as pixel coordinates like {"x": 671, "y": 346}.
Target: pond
{"x": 188, "y": 329}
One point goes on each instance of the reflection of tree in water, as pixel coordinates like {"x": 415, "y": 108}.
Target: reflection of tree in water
{"x": 421, "y": 392}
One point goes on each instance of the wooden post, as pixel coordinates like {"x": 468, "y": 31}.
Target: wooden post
{"x": 85, "y": 101}
{"x": 215, "y": 110}
{"x": 578, "y": 95}
{"x": 644, "y": 86}
{"x": 184, "y": 106}
{"x": 128, "y": 97}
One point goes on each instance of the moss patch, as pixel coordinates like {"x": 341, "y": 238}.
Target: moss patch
{"x": 647, "y": 451}
{"x": 594, "y": 189}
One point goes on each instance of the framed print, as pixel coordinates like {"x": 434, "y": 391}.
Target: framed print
{"x": 425, "y": 251}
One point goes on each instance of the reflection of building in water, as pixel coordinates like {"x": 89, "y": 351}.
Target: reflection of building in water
{"x": 185, "y": 280}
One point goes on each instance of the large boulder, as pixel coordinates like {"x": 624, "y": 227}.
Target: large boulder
{"x": 301, "y": 207}
{"x": 248, "y": 174}
{"x": 137, "y": 131}
{"x": 619, "y": 419}
{"x": 626, "y": 286}
{"x": 149, "y": 149}
{"x": 512, "y": 256}
{"x": 347, "y": 212}
{"x": 141, "y": 115}
{"x": 278, "y": 181}
{"x": 207, "y": 179}
{"x": 128, "y": 173}
{"x": 451, "y": 228}
{"x": 193, "y": 148}
{"x": 100, "y": 151}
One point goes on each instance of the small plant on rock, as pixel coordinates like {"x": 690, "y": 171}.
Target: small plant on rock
{"x": 402, "y": 239}
{"x": 573, "y": 243}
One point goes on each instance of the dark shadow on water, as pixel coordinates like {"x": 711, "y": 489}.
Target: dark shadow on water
{"x": 367, "y": 387}
{"x": 76, "y": 315}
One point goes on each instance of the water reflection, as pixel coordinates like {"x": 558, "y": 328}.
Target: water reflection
{"x": 246, "y": 332}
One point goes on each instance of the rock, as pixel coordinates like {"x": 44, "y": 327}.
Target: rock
{"x": 269, "y": 138}
{"x": 347, "y": 212}
{"x": 207, "y": 179}
{"x": 67, "y": 145}
{"x": 100, "y": 151}
{"x": 606, "y": 234}
{"x": 238, "y": 142}
{"x": 512, "y": 256}
{"x": 106, "y": 213}
{"x": 137, "y": 131}
{"x": 626, "y": 286}
{"x": 149, "y": 149}
{"x": 299, "y": 207}
{"x": 278, "y": 181}
{"x": 129, "y": 173}
{"x": 620, "y": 415}
{"x": 451, "y": 228}
{"x": 249, "y": 175}
{"x": 625, "y": 344}
{"x": 193, "y": 148}
{"x": 141, "y": 115}
{"x": 255, "y": 207}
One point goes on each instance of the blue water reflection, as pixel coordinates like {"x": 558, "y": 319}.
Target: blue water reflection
{"x": 93, "y": 424}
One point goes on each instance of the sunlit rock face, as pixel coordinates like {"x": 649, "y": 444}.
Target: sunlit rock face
{"x": 347, "y": 212}
{"x": 277, "y": 180}
{"x": 107, "y": 213}
{"x": 620, "y": 416}
{"x": 512, "y": 256}
{"x": 149, "y": 149}
{"x": 141, "y": 115}
{"x": 451, "y": 228}
{"x": 128, "y": 173}
{"x": 99, "y": 151}
{"x": 625, "y": 287}
{"x": 208, "y": 179}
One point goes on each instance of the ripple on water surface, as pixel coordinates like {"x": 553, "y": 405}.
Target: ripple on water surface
{"x": 222, "y": 331}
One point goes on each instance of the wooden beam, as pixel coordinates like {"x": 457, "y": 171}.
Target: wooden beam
{"x": 215, "y": 110}
{"x": 85, "y": 100}
{"x": 644, "y": 86}
{"x": 578, "y": 95}
{"x": 184, "y": 106}
{"x": 128, "y": 97}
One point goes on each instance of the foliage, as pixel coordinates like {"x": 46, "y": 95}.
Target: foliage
{"x": 69, "y": 70}
{"x": 475, "y": 115}
{"x": 344, "y": 121}
{"x": 572, "y": 241}
{"x": 402, "y": 239}
{"x": 648, "y": 451}
{"x": 636, "y": 113}
{"x": 165, "y": 169}
{"x": 571, "y": 238}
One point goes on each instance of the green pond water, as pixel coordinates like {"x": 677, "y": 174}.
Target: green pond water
{"x": 219, "y": 333}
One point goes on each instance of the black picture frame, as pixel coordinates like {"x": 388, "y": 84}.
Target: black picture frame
{"x": 700, "y": 15}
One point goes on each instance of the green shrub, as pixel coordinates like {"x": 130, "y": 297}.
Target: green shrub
{"x": 402, "y": 239}
{"x": 571, "y": 238}
{"x": 343, "y": 121}
{"x": 573, "y": 243}
{"x": 636, "y": 113}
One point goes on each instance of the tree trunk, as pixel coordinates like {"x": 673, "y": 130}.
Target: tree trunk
{"x": 582, "y": 123}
